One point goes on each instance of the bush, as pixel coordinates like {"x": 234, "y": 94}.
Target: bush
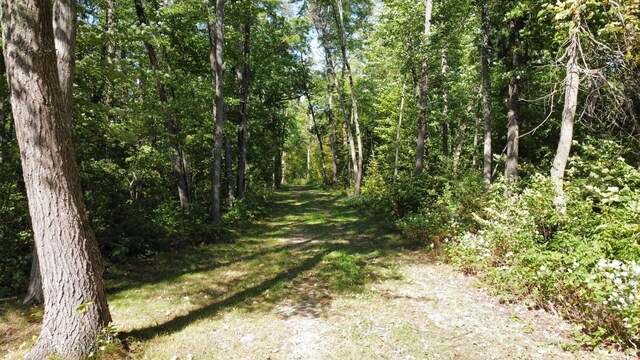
{"x": 584, "y": 263}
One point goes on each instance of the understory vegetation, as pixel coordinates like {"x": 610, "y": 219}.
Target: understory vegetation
{"x": 584, "y": 263}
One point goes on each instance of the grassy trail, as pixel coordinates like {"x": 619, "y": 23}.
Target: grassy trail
{"x": 316, "y": 279}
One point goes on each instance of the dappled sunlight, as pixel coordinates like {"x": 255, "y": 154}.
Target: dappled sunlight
{"x": 321, "y": 249}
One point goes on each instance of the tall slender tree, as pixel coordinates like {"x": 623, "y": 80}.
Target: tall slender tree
{"x": 178, "y": 155}
{"x": 422, "y": 88}
{"x": 513, "y": 133}
{"x": 571, "y": 88}
{"x": 486, "y": 91}
{"x": 342, "y": 37}
{"x": 218, "y": 42}
{"x": 242, "y": 74}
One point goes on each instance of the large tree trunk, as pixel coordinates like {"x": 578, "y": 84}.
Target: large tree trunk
{"x": 486, "y": 93}
{"x": 395, "y": 160}
{"x": 178, "y": 156}
{"x": 218, "y": 33}
{"x": 445, "y": 102}
{"x": 243, "y": 79}
{"x": 65, "y": 33}
{"x": 358, "y": 167}
{"x": 424, "y": 87}
{"x": 571, "y": 87}
{"x": 513, "y": 131}
{"x": 71, "y": 268}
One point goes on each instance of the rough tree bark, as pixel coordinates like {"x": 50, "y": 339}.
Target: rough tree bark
{"x": 486, "y": 92}
{"x": 423, "y": 89}
{"x": 65, "y": 33}
{"x": 571, "y": 87}
{"x": 71, "y": 266}
{"x": 395, "y": 161}
{"x": 217, "y": 68}
{"x": 178, "y": 156}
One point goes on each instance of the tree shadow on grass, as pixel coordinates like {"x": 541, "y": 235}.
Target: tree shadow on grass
{"x": 180, "y": 322}
{"x": 328, "y": 248}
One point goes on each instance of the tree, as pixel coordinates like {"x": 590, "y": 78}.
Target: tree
{"x": 422, "y": 88}
{"x": 217, "y": 66}
{"x": 178, "y": 155}
{"x": 486, "y": 91}
{"x": 571, "y": 88}
{"x": 513, "y": 103}
{"x": 74, "y": 298}
{"x": 242, "y": 73}
{"x": 321, "y": 26}
{"x": 342, "y": 37}
{"x": 64, "y": 25}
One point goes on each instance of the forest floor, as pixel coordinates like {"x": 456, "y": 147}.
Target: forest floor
{"x": 316, "y": 279}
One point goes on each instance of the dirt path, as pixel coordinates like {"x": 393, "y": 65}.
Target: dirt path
{"x": 319, "y": 280}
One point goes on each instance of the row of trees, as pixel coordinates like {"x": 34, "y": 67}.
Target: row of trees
{"x": 508, "y": 64}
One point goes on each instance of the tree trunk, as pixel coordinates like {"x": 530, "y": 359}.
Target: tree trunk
{"x": 34, "y": 291}
{"x": 283, "y": 179}
{"x": 354, "y": 101}
{"x": 277, "y": 170}
{"x": 395, "y": 161}
{"x": 228, "y": 166}
{"x": 308, "y": 159}
{"x": 424, "y": 87}
{"x": 571, "y": 87}
{"x": 476, "y": 131}
{"x": 71, "y": 267}
{"x": 65, "y": 33}
{"x": 319, "y": 137}
{"x": 332, "y": 137}
{"x": 315, "y": 128}
{"x": 486, "y": 93}
{"x": 111, "y": 47}
{"x": 445, "y": 102}
{"x": 332, "y": 67}
{"x": 178, "y": 156}
{"x": 513, "y": 131}
{"x": 459, "y": 146}
{"x": 218, "y": 32}
{"x": 243, "y": 79}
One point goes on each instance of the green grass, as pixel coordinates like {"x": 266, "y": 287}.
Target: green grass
{"x": 312, "y": 247}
